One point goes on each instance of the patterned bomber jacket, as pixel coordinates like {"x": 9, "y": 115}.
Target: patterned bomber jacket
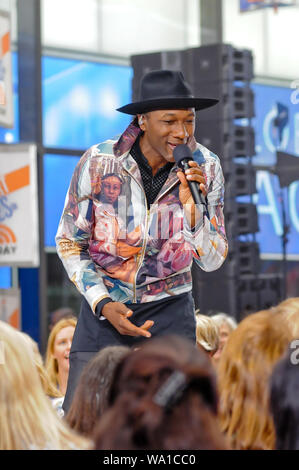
{"x": 112, "y": 245}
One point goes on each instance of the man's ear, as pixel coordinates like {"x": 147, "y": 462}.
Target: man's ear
{"x": 141, "y": 121}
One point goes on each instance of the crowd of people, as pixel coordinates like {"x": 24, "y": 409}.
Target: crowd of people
{"x": 236, "y": 388}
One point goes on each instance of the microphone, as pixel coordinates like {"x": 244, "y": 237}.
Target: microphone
{"x": 182, "y": 155}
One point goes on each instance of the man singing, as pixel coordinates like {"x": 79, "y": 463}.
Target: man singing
{"x": 130, "y": 229}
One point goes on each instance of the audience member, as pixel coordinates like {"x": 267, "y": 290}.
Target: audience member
{"x": 91, "y": 395}
{"x": 59, "y": 314}
{"x": 284, "y": 404}
{"x": 207, "y": 334}
{"x": 28, "y": 421}
{"x": 246, "y": 363}
{"x": 57, "y": 357}
{"x": 226, "y": 325}
{"x": 163, "y": 396}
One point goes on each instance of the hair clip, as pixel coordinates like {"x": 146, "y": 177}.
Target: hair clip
{"x": 169, "y": 393}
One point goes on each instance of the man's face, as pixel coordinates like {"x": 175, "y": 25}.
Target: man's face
{"x": 164, "y": 130}
{"x": 111, "y": 188}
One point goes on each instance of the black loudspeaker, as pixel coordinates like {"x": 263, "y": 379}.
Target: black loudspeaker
{"x": 249, "y": 256}
{"x": 240, "y": 179}
{"x": 240, "y": 219}
{"x": 258, "y": 292}
{"x": 243, "y": 258}
{"x": 287, "y": 168}
{"x": 235, "y": 102}
{"x": 225, "y": 138}
{"x": 144, "y": 63}
{"x": 236, "y": 296}
{"x": 214, "y": 293}
{"x": 221, "y": 61}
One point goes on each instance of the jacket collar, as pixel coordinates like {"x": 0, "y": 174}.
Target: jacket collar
{"x": 126, "y": 140}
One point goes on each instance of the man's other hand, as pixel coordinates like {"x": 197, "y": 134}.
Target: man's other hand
{"x": 118, "y": 315}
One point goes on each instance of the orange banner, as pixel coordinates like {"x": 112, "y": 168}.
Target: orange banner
{"x": 15, "y": 180}
{"x": 5, "y": 43}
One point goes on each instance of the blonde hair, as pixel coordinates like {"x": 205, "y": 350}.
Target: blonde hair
{"x": 246, "y": 363}
{"x": 51, "y": 363}
{"x": 224, "y": 319}
{"x": 48, "y": 387}
{"x": 289, "y": 308}
{"x": 207, "y": 333}
{"x": 28, "y": 420}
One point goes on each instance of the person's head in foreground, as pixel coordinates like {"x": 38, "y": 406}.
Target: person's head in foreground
{"x": 244, "y": 369}
{"x": 284, "y": 403}
{"x": 28, "y": 421}
{"x": 91, "y": 395}
{"x": 163, "y": 396}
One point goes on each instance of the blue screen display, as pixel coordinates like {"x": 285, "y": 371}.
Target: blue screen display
{"x": 276, "y": 129}
{"x": 55, "y": 190}
{"x": 80, "y": 101}
{"x": 5, "y": 277}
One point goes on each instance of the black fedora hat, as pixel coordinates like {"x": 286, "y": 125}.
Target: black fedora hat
{"x": 165, "y": 89}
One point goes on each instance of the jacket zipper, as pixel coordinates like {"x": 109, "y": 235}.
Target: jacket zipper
{"x": 140, "y": 256}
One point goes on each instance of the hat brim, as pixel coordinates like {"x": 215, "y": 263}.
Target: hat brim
{"x": 141, "y": 107}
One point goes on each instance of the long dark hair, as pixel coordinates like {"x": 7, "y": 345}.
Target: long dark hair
{"x": 91, "y": 395}
{"x": 163, "y": 396}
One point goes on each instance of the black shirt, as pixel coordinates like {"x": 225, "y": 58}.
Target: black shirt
{"x": 152, "y": 184}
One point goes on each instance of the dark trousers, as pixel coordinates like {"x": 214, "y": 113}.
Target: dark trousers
{"x": 173, "y": 315}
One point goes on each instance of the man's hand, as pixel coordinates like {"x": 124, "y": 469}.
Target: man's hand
{"x": 117, "y": 314}
{"x": 194, "y": 173}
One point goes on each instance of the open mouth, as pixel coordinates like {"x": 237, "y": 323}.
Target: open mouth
{"x": 172, "y": 146}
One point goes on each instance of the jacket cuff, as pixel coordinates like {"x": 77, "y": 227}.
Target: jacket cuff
{"x": 99, "y": 306}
